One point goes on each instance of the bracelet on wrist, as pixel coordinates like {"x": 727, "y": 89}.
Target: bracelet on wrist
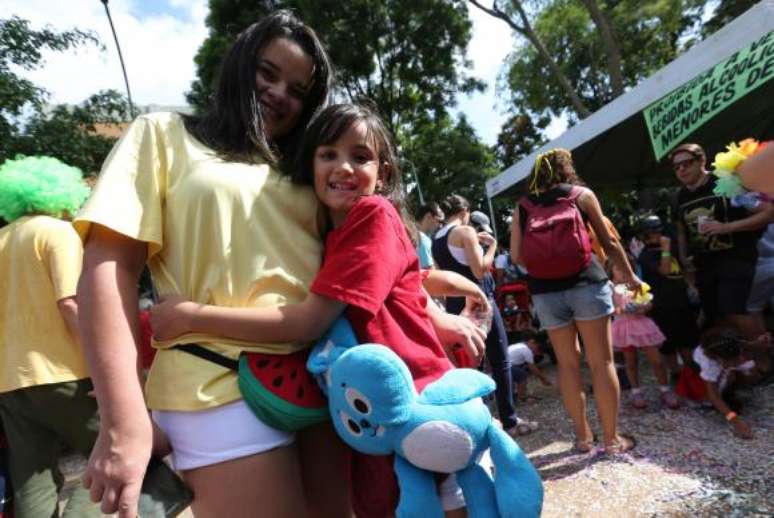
{"x": 666, "y": 254}
{"x": 731, "y": 416}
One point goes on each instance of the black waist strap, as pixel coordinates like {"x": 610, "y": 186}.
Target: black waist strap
{"x": 211, "y": 356}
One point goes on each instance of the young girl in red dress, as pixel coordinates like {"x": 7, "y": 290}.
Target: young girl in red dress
{"x": 370, "y": 273}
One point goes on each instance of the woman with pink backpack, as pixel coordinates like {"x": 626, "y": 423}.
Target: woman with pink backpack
{"x": 570, "y": 289}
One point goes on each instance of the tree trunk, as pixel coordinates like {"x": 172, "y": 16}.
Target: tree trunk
{"x": 612, "y": 49}
{"x": 527, "y": 31}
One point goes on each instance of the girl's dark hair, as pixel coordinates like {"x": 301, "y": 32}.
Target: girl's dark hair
{"x": 454, "y": 204}
{"x": 232, "y": 125}
{"x": 722, "y": 343}
{"x": 552, "y": 168}
{"x": 328, "y": 126}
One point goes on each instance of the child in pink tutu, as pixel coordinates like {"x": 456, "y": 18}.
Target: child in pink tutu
{"x": 632, "y": 331}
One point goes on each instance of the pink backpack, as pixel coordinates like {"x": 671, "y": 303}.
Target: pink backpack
{"x": 555, "y": 243}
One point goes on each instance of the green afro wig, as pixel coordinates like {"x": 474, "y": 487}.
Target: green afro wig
{"x": 40, "y": 185}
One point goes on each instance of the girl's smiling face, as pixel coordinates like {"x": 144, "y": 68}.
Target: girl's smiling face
{"x": 347, "y": 169}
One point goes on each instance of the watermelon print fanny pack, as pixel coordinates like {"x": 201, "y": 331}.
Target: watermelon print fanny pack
{"x": 277, "y": 387}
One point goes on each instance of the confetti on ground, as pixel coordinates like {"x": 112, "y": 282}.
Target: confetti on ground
{"x": 686, "y": 463}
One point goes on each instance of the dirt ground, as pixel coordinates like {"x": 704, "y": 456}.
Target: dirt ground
{"x": 687, "y": 462}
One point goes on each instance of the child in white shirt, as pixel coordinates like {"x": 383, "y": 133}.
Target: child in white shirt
{"x": 721, "y": 363}
{"x": 522, "y": 358}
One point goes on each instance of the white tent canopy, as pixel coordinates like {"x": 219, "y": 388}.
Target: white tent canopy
{"x": 747, "y": 28}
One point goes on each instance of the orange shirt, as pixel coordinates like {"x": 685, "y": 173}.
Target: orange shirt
{"x": 596, "y": 246}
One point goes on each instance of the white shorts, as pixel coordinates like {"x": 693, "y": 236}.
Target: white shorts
{"x": 215, "y": 435}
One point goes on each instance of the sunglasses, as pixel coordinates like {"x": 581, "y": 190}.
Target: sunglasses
{"x": 683, "y": 164}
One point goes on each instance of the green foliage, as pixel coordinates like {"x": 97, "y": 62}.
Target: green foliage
{"x": 726, "y": 11}
{"x": 21, "y": 45}
{"x": 650, "y": 35}
{"x": 69, "y": 133}
{"x": 449, "y": 158}
{"x": 406, "y": 55}
{"x": 519, "y": 136}
{"x": 27, "y": 126}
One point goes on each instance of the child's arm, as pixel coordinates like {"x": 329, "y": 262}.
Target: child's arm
{"x": 302, "y": 322}
{"x": 741, "y": 428}
{"x": 535, "y": 370}
{"x": 457, "y": 331}
{"x": 445, "y": 283}
{"x": 665, "y": 261}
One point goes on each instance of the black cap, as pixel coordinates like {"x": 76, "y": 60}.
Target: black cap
{"x": 651, "y": 224}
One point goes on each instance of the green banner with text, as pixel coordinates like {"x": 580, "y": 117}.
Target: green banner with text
{"x": 676, "y": 115}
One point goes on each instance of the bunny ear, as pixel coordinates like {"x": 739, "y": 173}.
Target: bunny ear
{"x": 327, "y": 350}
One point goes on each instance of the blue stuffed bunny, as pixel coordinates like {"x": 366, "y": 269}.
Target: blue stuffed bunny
{"x": 376, "y": 410}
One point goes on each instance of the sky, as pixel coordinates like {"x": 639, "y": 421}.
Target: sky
{"x": 160, "y": 37}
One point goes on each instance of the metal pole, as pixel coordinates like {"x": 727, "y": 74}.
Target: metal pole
{"x": 416, "y": 180}
{"x": 491, "y": 214}
{"x": 121, "y": 59}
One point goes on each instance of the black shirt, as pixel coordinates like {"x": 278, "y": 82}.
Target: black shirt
{"x": 691, "y": 205}
{"x": 446, "y": 261}
{"x": 669, "y": 291}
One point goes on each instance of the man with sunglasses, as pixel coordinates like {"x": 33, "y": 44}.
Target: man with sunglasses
{"x": 720, "y": 237}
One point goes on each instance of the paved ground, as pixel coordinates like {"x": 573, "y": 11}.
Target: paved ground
{"x": 687, "y": 462}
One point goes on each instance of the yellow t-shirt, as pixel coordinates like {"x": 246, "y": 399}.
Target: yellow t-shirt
{"x": 222, "y": 233}
{"x": 40, "y": 262}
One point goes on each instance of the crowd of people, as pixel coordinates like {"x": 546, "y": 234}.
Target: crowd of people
{"x": 275, "y": 213}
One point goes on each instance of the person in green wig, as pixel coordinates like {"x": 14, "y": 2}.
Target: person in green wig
{"x": 45, "y": 404}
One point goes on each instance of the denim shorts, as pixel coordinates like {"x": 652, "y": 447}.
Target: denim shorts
{"x": 587, "y": 302}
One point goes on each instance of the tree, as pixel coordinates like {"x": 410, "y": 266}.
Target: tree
{"x": 70, "y": 133}
{"x": 649, "y": 33}
{"x": 22, "y": 46}
{"x": 726, "y": 11}
{"x": 449, "y": 158}
{"x": 525, "y": 29}
{"x": 518, "y": 137}
{"x": 27, "y": 125}
{"x": 593, "y": 49}
{"x": 409, "y": 57}
{"x": 610, "y": 44}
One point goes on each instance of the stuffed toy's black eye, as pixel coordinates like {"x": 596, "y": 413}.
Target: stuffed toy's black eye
{"x": 352, "y": 426}
{"x": 361, "y": 406}
{"x": 358, "y": 401}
